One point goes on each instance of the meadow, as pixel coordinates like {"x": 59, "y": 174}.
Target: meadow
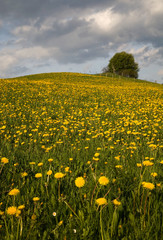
{"x": 80, "y": 158}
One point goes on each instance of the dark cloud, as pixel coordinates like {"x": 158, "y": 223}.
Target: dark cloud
{"x": 75, "y": 31}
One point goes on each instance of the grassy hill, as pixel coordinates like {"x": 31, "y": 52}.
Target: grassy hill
{"x": 81, "y": 157}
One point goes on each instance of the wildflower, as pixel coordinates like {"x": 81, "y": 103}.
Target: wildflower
{"x": 49, "y": 172}
{"x": 1, "y": 213}
{"x": 40, "y": 164}
{"x": 67, "y": 169}
{"x": 117, "y": 157}
{"x": 11, "y": 210}
{"x": 38, "y": 175}
{"x": 50, "y": 160}
{"x": 21, "y": 207}
{"x": 96, "y": 159}
{"x": 59, "y": 175}
{"x": 35, "y": 199}
{"x": 32, "y": 163}
{"x": 154, "y": 174}
{"x": 161, "y": 162}
{"x": 147, "y": 163}
{"x": 14, "y": 192}
{"x": 103, "y": 180}
{"x": 18, "y": 212}
{"x": 79, "y": 182}
{"x": 139, "y": 164}
{"x": 54, "y": 214}
{"x": 148, "y": 185}
{"x": 60, "y": 223}
{"x": 119, "y": 166}
{"x": 96, "y": 155}
{"x": 116, "y": 202}
{"x": 74, "y": 230}
{"x": 33, "y": 216}
{"x": 4, "y": 160}
{"x": 101, "y": 201}
{"x": 24, "y": 174}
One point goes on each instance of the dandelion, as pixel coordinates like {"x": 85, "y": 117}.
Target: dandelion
{"x": 116, "y": 202}
{"x": 96, "y": 155}
{"x": 38, "y": 175}
{"x": 79, "y": 182}
{"x": 11, "y": 210}
{"x": 59, "y": 175}
{"x": 32, "y": 163}
{"x": 119, "y": 166}
{"x": 14, "y": 192}
{"x": 148, "y": 163}
{"x": 103, "y": 180}
{"x": 4, "y": 160}
{"x": 50, "y": 160}
{"x": 67, "y": 169}
{"x": 21, "y": 207}
{"x": 161, "y": 162}
{"x": 40, "y": 164}
{"x": 148, "y": 185}
{"x": 101, "y": 201}
{"x": 139, "y": 164}
{"x": 154, "y": 174}
{"x": 60, "y": 223}
{"x": 35, "y": 199}
{"x": 49, "y": 172}
{"x": 24, "y": 174}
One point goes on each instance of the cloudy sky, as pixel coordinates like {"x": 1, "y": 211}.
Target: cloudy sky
{"x": 79, "y": 35}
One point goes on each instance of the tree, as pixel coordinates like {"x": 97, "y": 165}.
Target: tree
{"x": 123, "y": 64}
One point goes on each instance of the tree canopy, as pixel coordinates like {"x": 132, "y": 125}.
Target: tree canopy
{"x": 123, "y": 64}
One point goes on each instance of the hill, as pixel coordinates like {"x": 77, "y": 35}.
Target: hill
{"x": 81, "y": 157}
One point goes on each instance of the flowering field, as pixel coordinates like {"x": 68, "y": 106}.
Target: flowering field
{"x": 80, "y": 158}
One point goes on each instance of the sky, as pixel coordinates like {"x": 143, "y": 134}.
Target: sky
{"x": 38, "y": 36}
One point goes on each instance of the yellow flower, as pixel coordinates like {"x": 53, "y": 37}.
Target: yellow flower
{"x": 154, "y": 174}
{"x": 35, "y": 199}
{"x": 49, "y": 172}
{"x": 40, "y": 164}
{"x": 4, "y": 160}
{"x": 21, "y": 207}
{"x": 66, "y": 169}
{"x": 147, "y": 163}
{"x": 139, "y": 164}
{"x": 60, "y": 223}
{"x": 24, "y": 174}
{"x": 117, "y": 157}
{"x": 33, "y": 217}
{"x": 161, "y": 162}
{"x": 103, "y": 180}
{"x": 59, "y": 175}
{"x": 79, "y": 182}
{"x": 96, "y": 159}
{"x": 101, "y": 201}
{"x": 1, "y": 213}
{"x": 32, "y": 163}
{"x": 97, "y": 155}
{"x": 116, "y": 202}
{"x": 148, "y": 185}
{"x": 11, "y": 210}
{"x": 14, "y": 192}
{"x": 18, "y": 212}
{"x": 38, "y": 175}
{"x": 50, "y": 160}
{"x": 119, "y": 166}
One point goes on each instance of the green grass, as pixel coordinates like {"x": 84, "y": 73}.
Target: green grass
{"x": 70, "y": 117}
